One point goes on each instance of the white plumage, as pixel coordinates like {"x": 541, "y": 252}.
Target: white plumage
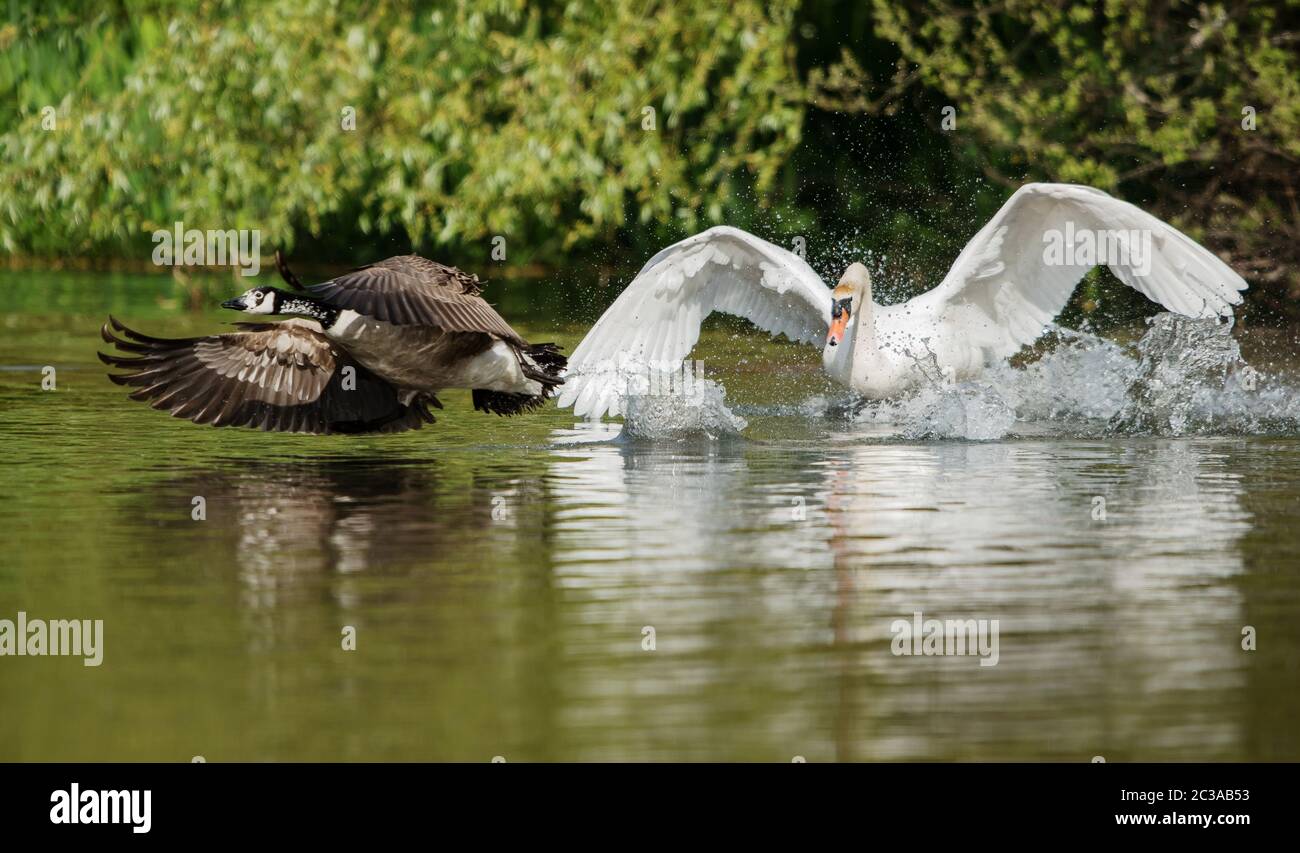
{"x": 1000, "y": 294}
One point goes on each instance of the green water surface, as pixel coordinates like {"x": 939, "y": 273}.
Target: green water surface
{"x": 501, "y": 575}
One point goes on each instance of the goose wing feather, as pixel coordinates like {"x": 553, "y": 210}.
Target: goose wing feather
{"x": 411, "y": 290}
{"x": 655, "y": 322}
{"x": 283, "y": 377}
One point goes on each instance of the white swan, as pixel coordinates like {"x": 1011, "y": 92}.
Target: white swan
{"x": 1010, "y": 281}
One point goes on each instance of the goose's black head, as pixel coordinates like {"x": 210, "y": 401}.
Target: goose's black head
{"x": 259, "y": 300}
{"x": 269, "y": 300}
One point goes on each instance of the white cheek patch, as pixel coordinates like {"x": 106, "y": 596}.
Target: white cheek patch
{"x": 263, "y": 307}
{"x": 347, "y": 321}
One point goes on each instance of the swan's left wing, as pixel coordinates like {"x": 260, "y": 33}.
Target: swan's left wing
{"x": 655, "y": 322}
{"x": 1019, "y": 271}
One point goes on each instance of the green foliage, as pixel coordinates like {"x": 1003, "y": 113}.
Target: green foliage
{"x": 472, "y": 119}
{"x": 1144, "y": 99}
{"x": 477, "y": 118}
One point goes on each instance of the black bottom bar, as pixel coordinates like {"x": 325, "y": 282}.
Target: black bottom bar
{"x": 334, "y": 801}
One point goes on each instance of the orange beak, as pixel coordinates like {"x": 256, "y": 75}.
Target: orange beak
{"x": 838, "y": 324}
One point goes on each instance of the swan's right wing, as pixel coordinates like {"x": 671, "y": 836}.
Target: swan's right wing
{"x": 655, "y": 322}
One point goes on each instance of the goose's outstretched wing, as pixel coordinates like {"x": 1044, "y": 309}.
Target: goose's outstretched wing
{"x": 409, "y": 290}
{"x": 656, "y": 321}
{"x": 286, "y": 377}
{"x": 1019, "y": 271}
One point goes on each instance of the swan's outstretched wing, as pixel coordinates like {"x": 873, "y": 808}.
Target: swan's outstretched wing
{"x": 1005, "y": 286}
{"x": 656, "y": 321}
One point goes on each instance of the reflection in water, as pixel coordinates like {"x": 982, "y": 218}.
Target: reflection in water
{"x": 500, "y": 601}
{"x": 1098, "y": 644}
{"x": 1009, "y": 532}
{"x": 286, "y": 525}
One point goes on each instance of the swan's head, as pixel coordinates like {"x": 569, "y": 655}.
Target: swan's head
{"x": 852, "y": 289}
{"x": 259, "y": 300}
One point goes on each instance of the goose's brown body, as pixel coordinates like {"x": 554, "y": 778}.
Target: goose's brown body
{"x": 428, "y": 359}
{"x": 285, "y": 377}
{"x": 384, "y": 340}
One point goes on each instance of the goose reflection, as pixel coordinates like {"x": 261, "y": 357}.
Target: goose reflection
{"x": 295, "y": 529}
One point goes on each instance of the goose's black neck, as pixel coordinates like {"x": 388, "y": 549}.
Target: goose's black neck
{"x": 295, "y": 303}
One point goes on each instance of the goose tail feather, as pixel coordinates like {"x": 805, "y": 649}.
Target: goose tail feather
{"x": 543, "y": 364}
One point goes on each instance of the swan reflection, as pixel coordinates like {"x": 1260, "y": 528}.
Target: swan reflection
{"x": 769, "y": 575}
{"x": 1108, "y": 615}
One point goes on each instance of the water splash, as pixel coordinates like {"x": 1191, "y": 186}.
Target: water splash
{"x": 1185, "y": 377}
{"x": 1080, "y": 379}
{"x": 971, "y": 410}
{"x": 674, "y": 417}
{"x": 1183, "y": 367}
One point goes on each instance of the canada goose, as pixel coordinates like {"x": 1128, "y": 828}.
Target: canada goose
{"x": 367, "y": 352}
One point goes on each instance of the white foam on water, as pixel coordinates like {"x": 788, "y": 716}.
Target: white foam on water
{"x": 674, "y": 417}
{"x": 1185, "y": 377}
{"x": 1191, "y": 379}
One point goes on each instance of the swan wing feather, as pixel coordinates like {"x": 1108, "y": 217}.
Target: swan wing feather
{"x": 655, "y": 321}
{"x": 1006, "y": 285}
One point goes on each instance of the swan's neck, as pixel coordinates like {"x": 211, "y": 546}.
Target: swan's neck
{"x": 852, "y": 361}
{"x": 864, "y": 357}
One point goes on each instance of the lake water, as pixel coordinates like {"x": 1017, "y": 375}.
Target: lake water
{"x": 502, "y": 575}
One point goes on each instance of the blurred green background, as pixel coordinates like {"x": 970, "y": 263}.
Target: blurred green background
{"x": 590, "y": 134}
